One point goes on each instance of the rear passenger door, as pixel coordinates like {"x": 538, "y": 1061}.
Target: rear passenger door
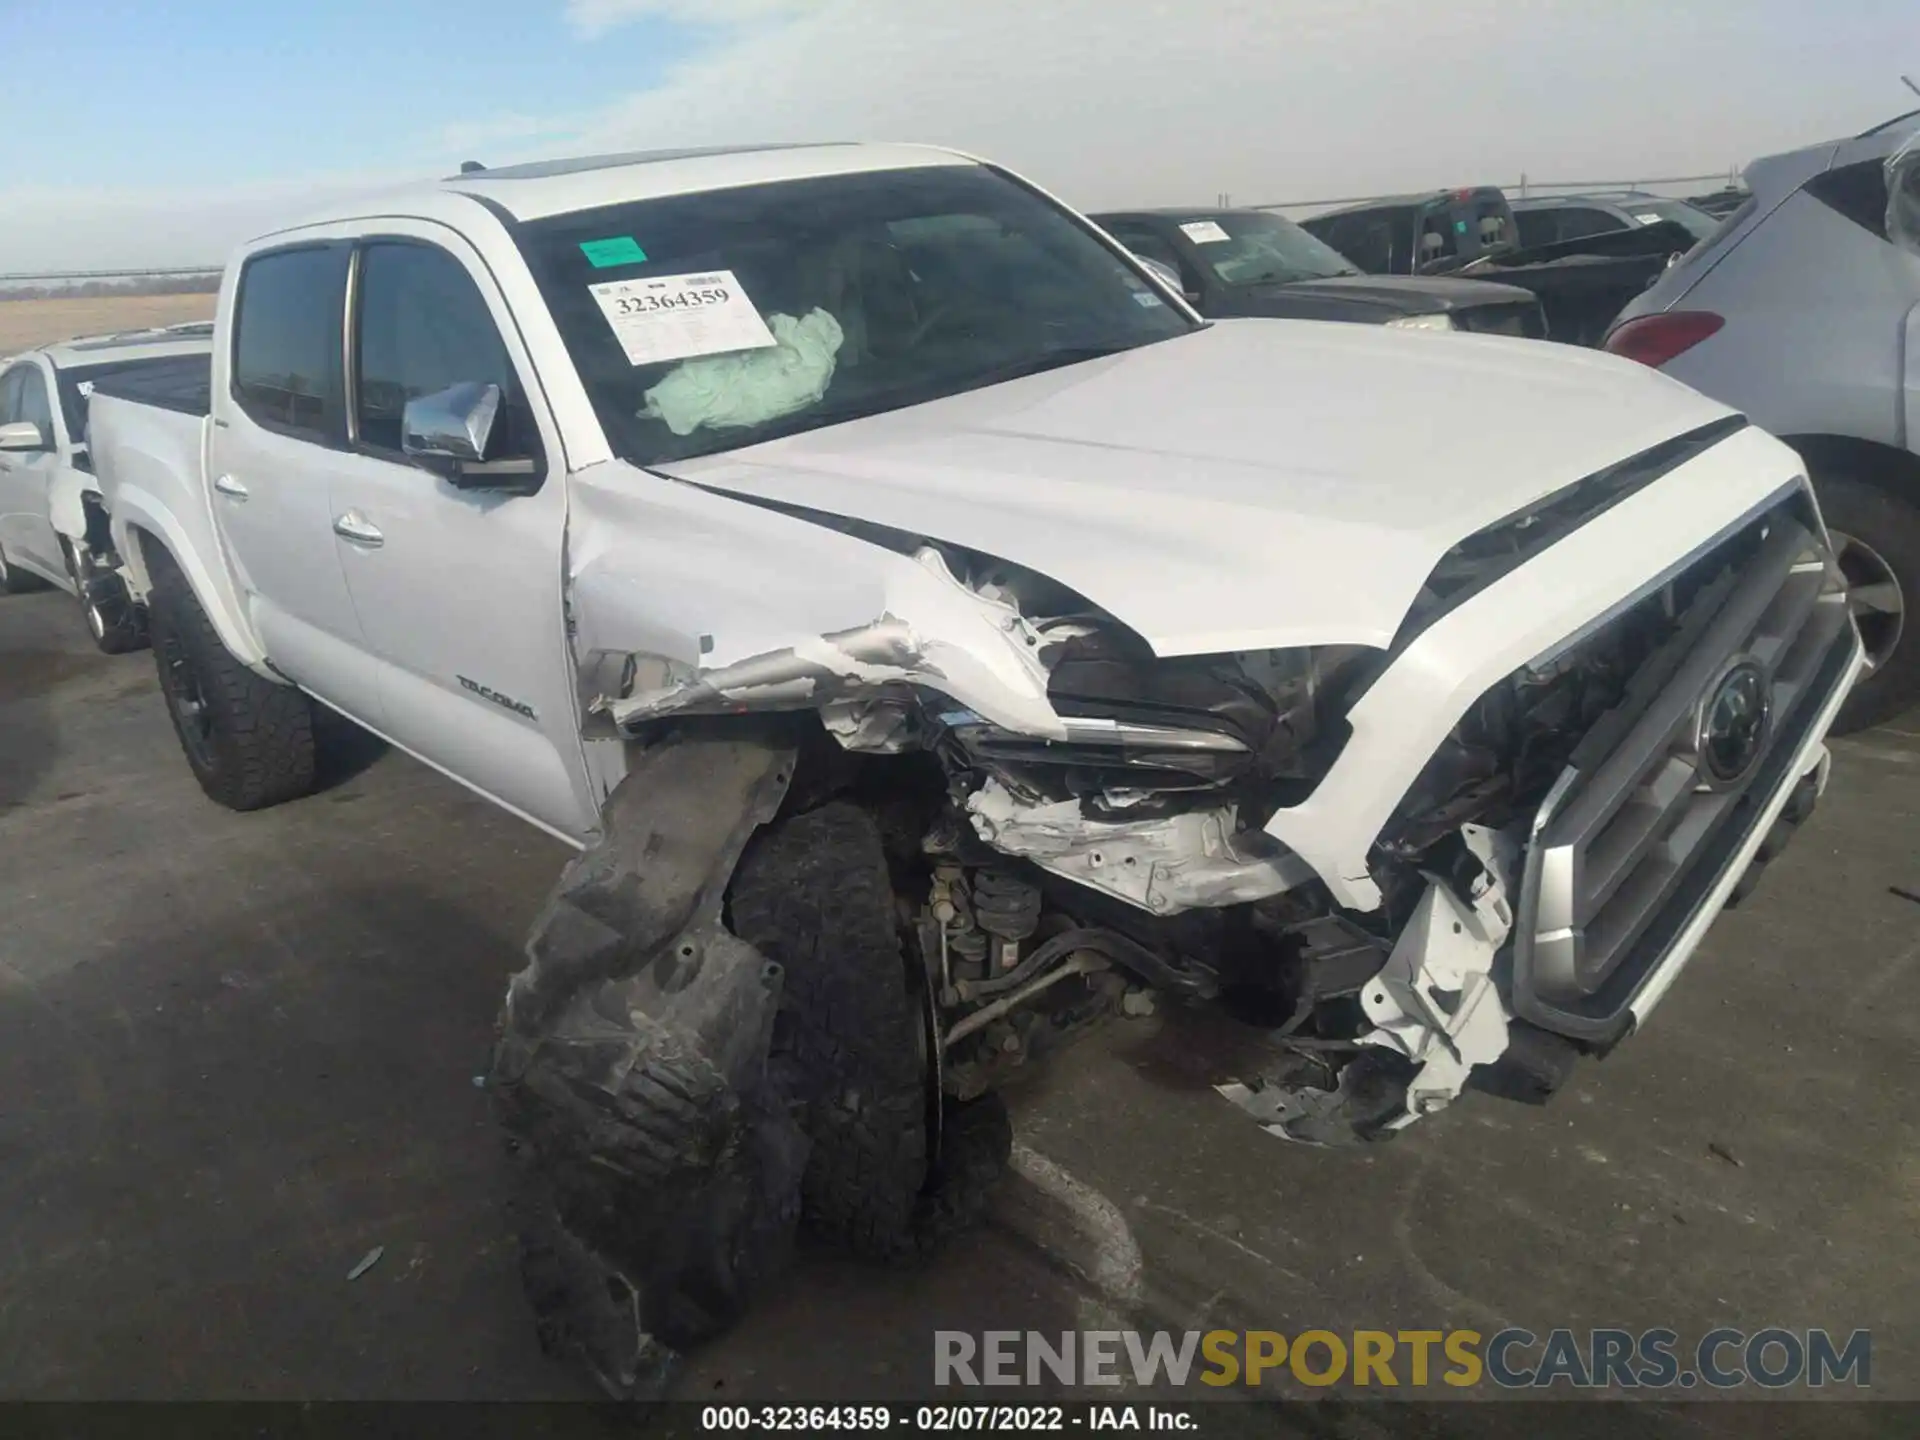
{"x": 460, "y": 589}
{"x": 277, "y": 437}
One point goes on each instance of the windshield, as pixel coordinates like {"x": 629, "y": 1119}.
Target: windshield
{"x": 1250, "y": 247}
{"x": 709, "y": 321}
{"x": 1652, "y": 212}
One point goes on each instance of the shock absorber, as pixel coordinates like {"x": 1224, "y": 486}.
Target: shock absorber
{"x": 1007, "y": 907}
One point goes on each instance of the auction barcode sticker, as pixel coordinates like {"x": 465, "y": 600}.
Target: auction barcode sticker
{"x": 678, "y": 317}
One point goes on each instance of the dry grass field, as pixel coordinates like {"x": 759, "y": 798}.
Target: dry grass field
{"x": 27, "y": 323}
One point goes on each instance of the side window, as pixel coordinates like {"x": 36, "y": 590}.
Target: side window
{"x": 10, "y": 394}
{"x": 1366, "y": 240}
{"x": 1151, "y": 246}
{"x": 32, "y": 403}
{"x": 1437, "y": 238}
{"x": 423, "y": 326}
{"x": 1144, "y": 243}
{"x": 1578, "y": 222}
{"x": 1536, "y": 227}
{"x": 1857, "y": 191}
{"x": 286, "y": 352}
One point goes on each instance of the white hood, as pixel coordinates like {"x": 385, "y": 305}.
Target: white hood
{"x": 1258, "y": 484}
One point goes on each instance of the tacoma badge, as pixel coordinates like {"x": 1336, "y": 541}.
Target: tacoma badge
{"x": 506, "y": 702}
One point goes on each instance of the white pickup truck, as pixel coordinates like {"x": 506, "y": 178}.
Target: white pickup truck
{"x": 936, "y": 637}
{"x": 52, "y": 528}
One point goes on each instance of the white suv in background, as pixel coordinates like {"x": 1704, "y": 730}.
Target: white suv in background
{"x": 52, "y": 528}
{"x": 1804, "y": 312}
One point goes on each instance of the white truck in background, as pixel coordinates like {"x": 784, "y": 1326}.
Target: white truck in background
{"x": 934, "y": 634}
{"x": 52, "y": 528}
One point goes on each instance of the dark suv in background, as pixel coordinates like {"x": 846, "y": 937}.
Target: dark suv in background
{"x": 1550, "y": 219}
{"x": 1253, "y": 262}
{"x": 1419, "y": 234}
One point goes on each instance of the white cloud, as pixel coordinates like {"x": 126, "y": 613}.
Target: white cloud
{"x": 1111, "y": 102}
{"x": 1142, "y": 101}
{"x": 593, "y": 17}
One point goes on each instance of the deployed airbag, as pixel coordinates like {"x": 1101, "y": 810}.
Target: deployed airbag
{"x": 750, "y": 387}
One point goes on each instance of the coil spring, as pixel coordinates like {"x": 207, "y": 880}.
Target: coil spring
{"x": 1004, "y": 905}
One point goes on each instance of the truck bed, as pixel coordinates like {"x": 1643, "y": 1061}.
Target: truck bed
{"x": 183, "y": 383}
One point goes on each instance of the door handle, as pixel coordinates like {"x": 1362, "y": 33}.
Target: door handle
{"x": 356, "y": 527}
{"x": 230, "y": 487}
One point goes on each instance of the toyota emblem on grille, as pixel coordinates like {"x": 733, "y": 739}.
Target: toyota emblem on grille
{"x": 1733, "y": 723}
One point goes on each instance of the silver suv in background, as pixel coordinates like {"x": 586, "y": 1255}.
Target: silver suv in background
{"x": 1803, "y": 310}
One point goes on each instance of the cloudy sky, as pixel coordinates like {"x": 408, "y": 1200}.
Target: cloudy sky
{"x": 161, "y": 135}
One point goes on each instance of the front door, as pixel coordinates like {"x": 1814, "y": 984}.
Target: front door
{"x": 460, "y": 589}
{"x": 276, "y": 439}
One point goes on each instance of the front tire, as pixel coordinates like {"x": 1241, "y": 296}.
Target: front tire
{"x": 891, "y": 1175}
{"x": 1876, "y": 535}
{"x": 248, "y": 741}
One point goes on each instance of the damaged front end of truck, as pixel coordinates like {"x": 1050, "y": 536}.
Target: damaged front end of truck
{"x": 1075, "y": 827}
{"x": 1102, "y": 821}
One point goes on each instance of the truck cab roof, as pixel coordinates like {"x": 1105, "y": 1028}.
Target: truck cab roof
{"x": 562, "y": 186}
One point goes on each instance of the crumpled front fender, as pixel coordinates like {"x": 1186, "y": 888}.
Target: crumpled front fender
{"x": 685, "y": 602}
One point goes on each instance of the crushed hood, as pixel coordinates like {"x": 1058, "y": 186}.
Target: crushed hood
{"x": 1257, "y": 484}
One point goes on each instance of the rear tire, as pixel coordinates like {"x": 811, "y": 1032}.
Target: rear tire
{"x": 14, "y": 580}
{"x": 890, "y": 1176}
{"x": 1877, "y": 535}
{"x": 248, "y": 740}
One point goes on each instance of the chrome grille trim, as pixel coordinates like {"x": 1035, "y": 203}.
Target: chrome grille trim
{"x": 1632, "y": 837}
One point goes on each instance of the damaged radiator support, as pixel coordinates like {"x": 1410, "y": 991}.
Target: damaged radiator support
{"x": 1435, "y": 1011}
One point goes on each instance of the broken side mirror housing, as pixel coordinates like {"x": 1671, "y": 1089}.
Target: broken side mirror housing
{"x": 449, "y": 431}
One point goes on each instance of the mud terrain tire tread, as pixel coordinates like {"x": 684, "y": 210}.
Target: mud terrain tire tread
{"x": 813, "y": 895}
{"x": 262, "y": 732}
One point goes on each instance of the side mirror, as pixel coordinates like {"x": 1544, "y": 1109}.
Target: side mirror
{"x": 449, "y": 431}
{"x": 1159, "y": 267}
{"x": 453, "y": 424}
{"x": 22, "y": 435}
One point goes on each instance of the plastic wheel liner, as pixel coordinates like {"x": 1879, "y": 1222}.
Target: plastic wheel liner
{"x": 657, "y": 1161}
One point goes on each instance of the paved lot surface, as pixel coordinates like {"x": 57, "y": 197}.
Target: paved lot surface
{"x": 237, "y": 1053}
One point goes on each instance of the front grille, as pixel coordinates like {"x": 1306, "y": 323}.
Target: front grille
{"x": 1640, "y": 827}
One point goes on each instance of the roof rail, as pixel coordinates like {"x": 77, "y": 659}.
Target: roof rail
{"x": 1885, "y": 125}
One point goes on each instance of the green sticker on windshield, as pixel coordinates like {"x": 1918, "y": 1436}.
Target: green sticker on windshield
{"x": 619, "y": 250}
